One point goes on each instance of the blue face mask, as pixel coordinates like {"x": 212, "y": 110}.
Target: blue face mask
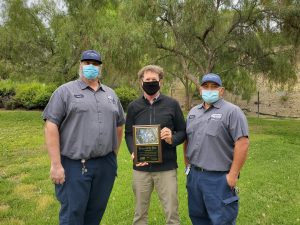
{"x": 90, "y": 71}
{"x": 209, "y": 96}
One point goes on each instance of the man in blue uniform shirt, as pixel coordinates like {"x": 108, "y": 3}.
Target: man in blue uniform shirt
{"x": 216, "y": 149}
{"x": 83, "y": 132}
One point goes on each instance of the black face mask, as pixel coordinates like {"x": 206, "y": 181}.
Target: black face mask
{"x": 151, "y": 87}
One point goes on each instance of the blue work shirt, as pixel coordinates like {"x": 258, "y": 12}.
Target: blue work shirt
{"x": 212, "y": 134}
{"x": 87, "y": 119}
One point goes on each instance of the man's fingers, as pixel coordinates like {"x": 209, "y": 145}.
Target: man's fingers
{"x": 166, "y": 135}
{"x": 58, "y": 181}
{"x": 57, "y": 178}
{"x": 57, "y": 175}
{"x": 165, "y": 131}
{"x": 61, "y": 181}
{"x": 142, "y": 164}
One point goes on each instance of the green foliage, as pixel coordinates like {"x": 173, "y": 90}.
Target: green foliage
{"x": 25, "y": 42}
{"x": 7, "y": 91}
{"x": 126, "y": 95}
{"x": 33, "y": 95}
{"x": 7, "y": 88}
{"x": 43, "y": 95}
{"x": 6, "y": 67}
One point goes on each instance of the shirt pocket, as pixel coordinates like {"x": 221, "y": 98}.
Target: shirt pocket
{"x": 195, "y": 128}
{"x": 79, "y": 106}
{"x": 213, "y": 127}
{"x": 191, "y": 129}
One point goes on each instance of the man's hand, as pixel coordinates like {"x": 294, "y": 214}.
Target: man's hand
{"x": 239, "y": 157}
{"x": 139, "y": 164}
{"x": 57, "y": 174}
{"x": 166, "y": 134}
{"x": 232, "y": 179}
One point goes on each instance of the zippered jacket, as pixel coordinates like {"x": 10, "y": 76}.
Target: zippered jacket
{"x": 164, "y": 111}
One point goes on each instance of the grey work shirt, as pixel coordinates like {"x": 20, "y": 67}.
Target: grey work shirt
{"x": 212, "y": 134}
{"x": 87, "y": 119}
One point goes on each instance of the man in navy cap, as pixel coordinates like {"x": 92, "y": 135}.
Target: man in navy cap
{"x": 83, "y": 132}
{"x": 215, "y": 151}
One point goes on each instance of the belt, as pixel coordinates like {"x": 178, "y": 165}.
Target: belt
{"x": 205, "y": 170}
{"x": 199, "y": 168}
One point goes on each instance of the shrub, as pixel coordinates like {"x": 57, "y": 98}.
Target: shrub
{"x": 10, "y": 104}
{"x": 7, "y": 91}
{"x": 33, "y": 95}
{"x": 7, "y": 88}
{"x": 126, "y": 95}
{"x": 43, "y": 95}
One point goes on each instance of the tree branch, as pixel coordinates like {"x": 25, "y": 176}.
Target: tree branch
{"x": 187, "y": 74}
{"x": 179, "y": 53}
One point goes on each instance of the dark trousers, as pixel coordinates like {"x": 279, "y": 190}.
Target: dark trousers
{"x": 210, "y": 200}
{"x": 84, "y": 196}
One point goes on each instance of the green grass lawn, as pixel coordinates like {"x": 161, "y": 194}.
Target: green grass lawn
{"x": 269, "y": 183}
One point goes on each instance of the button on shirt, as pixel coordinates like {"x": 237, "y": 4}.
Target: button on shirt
{"x": 87, "y": 119}
{"x": 212, "y": 134}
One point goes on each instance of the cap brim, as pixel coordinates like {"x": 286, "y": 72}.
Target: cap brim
{"x": 91, "y": 60}
{"x": 210, "y": 81}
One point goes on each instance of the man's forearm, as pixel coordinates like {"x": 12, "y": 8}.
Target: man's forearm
{"x": 119, "y": 136}
{"x": 239, "y": 156}
{"x": 186, "y": 161}
{"x": 52, "y": 143}
{"x": 57, "y": 172}
{"x": 179, "y": 138}
{"x": 129, "y": 142}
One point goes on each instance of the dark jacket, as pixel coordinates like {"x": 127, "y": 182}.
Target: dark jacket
{"x": 164, "y": 111}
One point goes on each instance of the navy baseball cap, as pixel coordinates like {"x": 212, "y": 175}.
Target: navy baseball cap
{"x": 91, "y": 55}
{"x": 211, "y": 77}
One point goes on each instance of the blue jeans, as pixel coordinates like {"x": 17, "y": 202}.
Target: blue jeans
{"x": 210, "y": 200}
{"x": 84, "y": 196}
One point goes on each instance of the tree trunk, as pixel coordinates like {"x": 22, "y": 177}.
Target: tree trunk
{"x": 187, "y": 102}
{"x": 188, "y": 77}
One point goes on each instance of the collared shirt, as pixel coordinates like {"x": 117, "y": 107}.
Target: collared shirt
{"x": 87, "y": 119}
{"x": 164, "y": 111}
{"x": 154, "y": 99}
{"x": 212, "y": 134}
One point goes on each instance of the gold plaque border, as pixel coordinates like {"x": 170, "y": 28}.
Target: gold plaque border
{"x": 135, "y": 144}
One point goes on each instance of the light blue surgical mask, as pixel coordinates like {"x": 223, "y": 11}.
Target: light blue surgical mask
{"x": 90, "y": 71}
{"x": 210, "y": 96}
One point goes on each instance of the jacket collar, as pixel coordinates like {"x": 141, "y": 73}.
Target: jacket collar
{"x": 157, "y": 99}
